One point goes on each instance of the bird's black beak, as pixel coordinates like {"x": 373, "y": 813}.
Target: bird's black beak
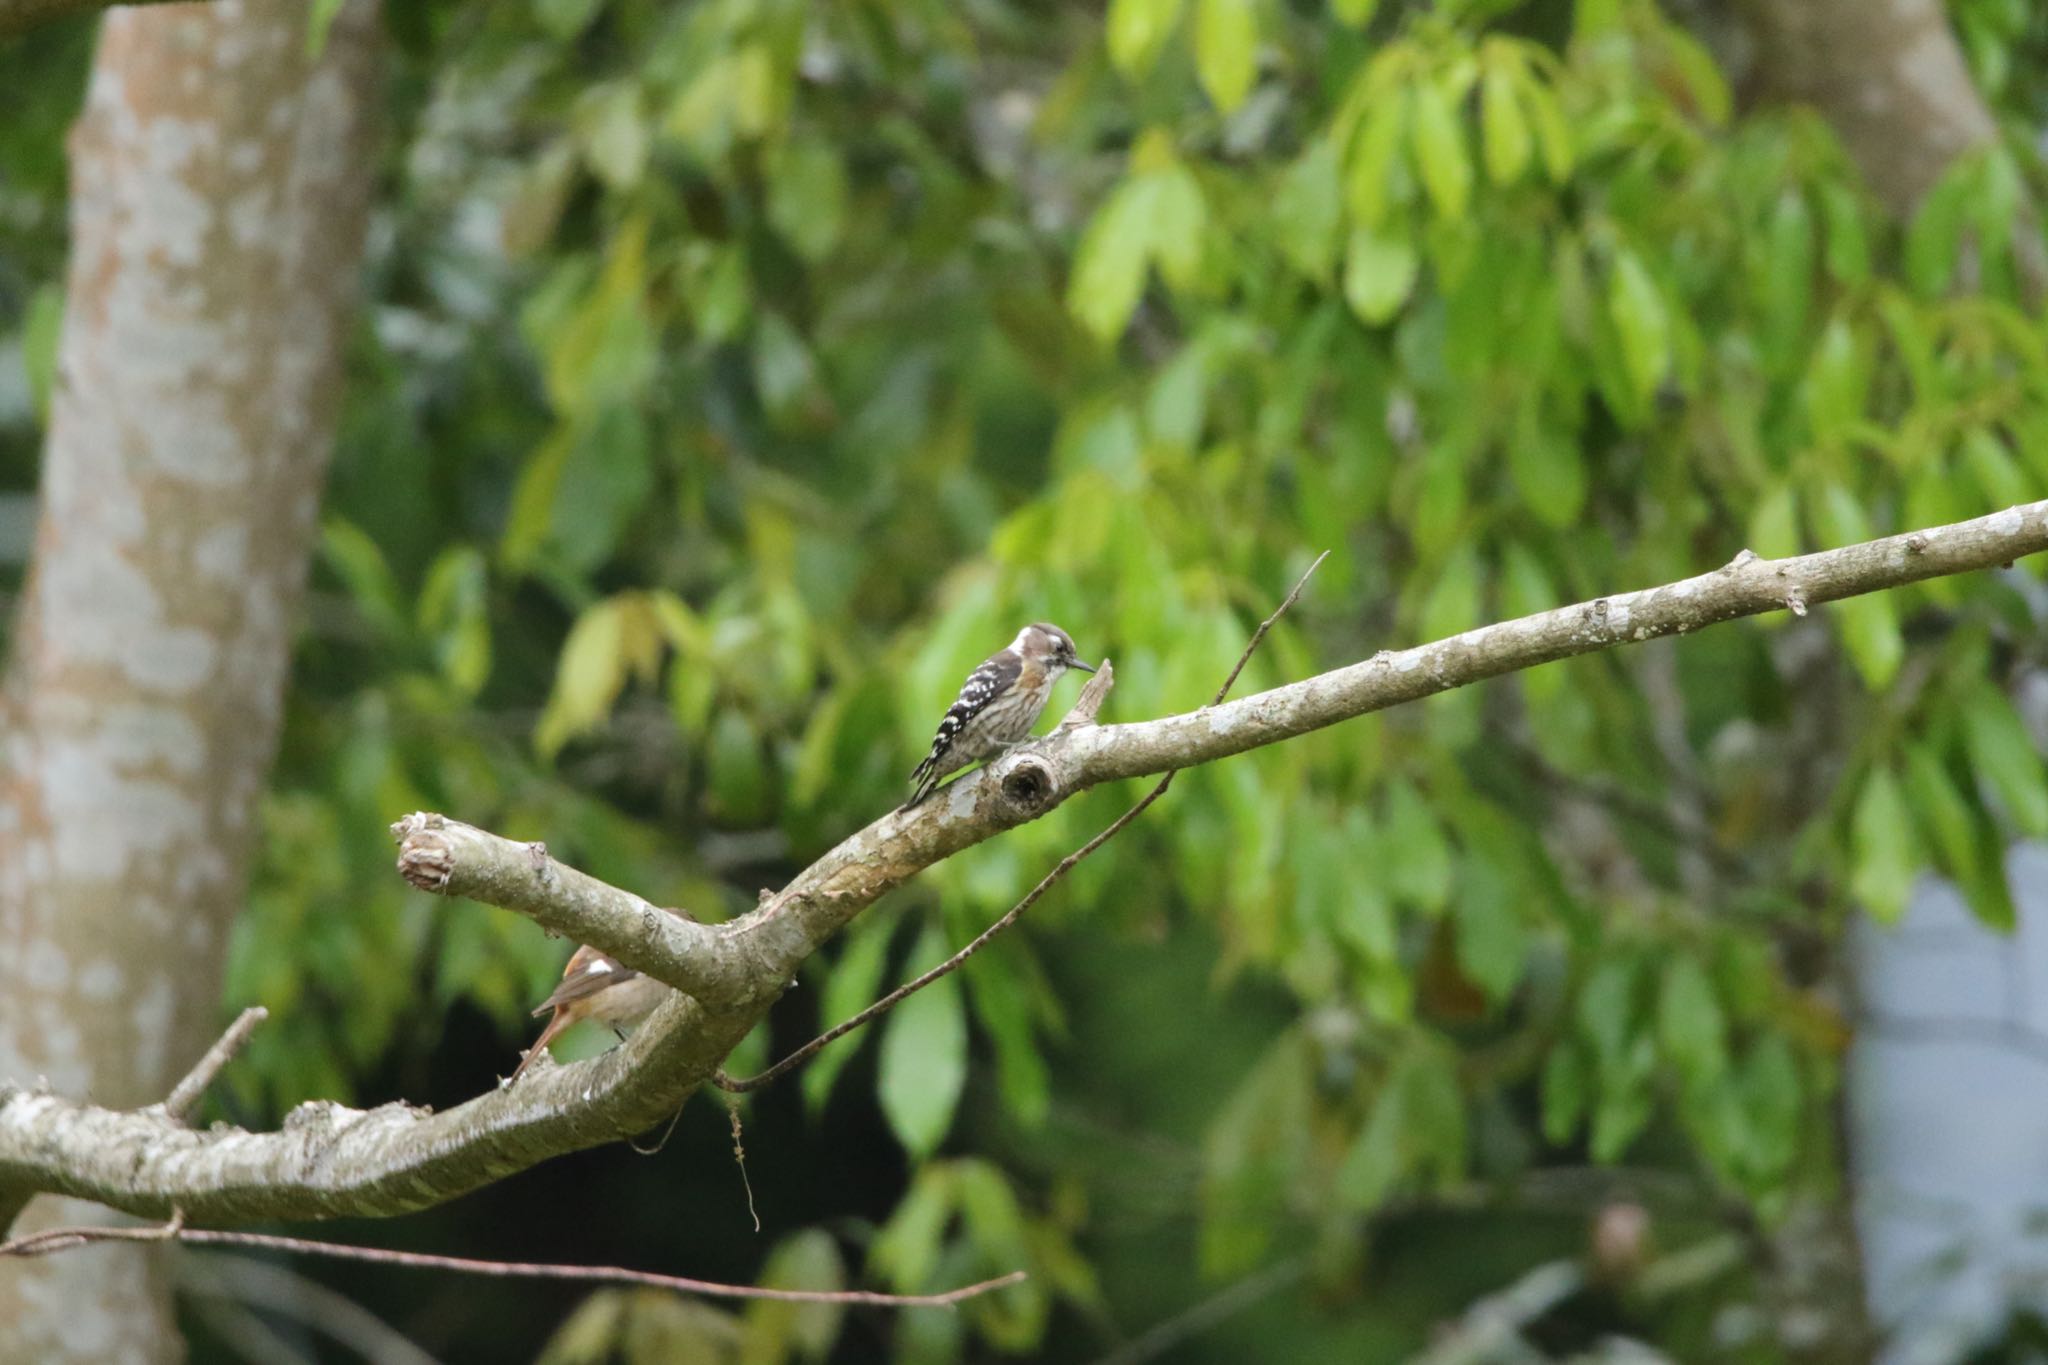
{"x": 1076, "y": 663}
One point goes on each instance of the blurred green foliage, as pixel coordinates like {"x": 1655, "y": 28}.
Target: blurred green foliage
{"x": 735, "y": 375}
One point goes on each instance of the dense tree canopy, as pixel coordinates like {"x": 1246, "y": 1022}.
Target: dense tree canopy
{"x": 735, "y": 375}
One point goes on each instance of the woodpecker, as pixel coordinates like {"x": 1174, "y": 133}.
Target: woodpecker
{"x": 595, "y": 986}
{"x": 998, "y": 704}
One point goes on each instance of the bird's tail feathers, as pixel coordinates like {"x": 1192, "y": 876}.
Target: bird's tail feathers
{"x": 555, "y": 1025}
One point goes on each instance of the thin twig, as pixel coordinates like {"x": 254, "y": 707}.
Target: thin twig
{"x": 64, "y": 1239}
{"x": 740, "y": 1085}
{"x": 53, "y": 1240}
{"x": 186, "y": 1094}
{"x": 666, "y": 1134}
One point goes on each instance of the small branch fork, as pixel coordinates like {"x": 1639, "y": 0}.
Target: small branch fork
{"x": 1086, "y": 708}
{"x": 65, "y": 1239}
{"x": 186, "y": 1094}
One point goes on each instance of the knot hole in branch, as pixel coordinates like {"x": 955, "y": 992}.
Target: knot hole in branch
{"x": 1029, "y": 785}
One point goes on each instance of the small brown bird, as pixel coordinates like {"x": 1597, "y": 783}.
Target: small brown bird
{"x": 998, "y": 704}
{"x": 596, "y": 986}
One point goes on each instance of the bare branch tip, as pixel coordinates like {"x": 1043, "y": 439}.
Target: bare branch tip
{"x": 406, "y": 826}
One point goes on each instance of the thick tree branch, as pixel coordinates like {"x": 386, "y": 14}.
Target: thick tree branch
{"x": 449, "y": 858}
{"x": 329, "y": 1161}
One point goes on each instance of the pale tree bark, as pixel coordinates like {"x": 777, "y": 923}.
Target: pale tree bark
{"x": 1888, "y": 75}
{"x": 17, "y": 16}
{"x": 219, "y": 186}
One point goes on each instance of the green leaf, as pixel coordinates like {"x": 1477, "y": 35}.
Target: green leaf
{"x": 1884, "y": 854}
{"x": 1998, "y": 475}
{"x": 1690, "y": 1026}
{"x": 2004, "y": 756}
{"x": 1641, "y": 321}
{"x": 1607, "y": 1008}
{"x": 454, "y": 610}
{"x": 1452, "y": 604}
{"x": 1837, "y": 383}
{"x": 589, "y": 676}
{"x": 1369, "y": 175}
{"x": 356, "y": 559}
{"x": 924, "y": 1056}
{"x": 852, "y": 984}
{"x": 778, "y": 1331}
{"x": 1308, "y": 209}
{"x": 1436, "y": 1113}
{"x": 40, "y": 332}
{"x": 1138, "y": 30}
{"x": 1503, "y": 128}
{"x": 1013, "y": 1319}
{"x": 1619, "y": 1116}
{"x": 611, "y": 120}
{"x": 1356, "y": 13}
{"x": 1934, "y": 241}
{"x": 1553, "y": 133}
{"x": 1774, "y": 525}
{"x": 905, "y": 1253}
{"x": 783, "y": 368}
{"x": 1696, "y": 66}
{"x": 1380, "y": 267}
{"x": 1177, "y": 222}
{"x": 533, "y": 500}
{"x": 1567, "y": 1085}
{"x": 564, "y": 19}
{"x": 1942, "y": 812}
{"x": 1378, "y": 1156}
{"x": 1846, "y": 235}
{"x": 601, "y": 349}
{"x": 1768, "y": 1083}
{"x": 1254, "y": 1146}
{"x": 1227, "y": 50}
{"x": 319, "y": 20}
{"x": 1440, "y": 154}
{"x": 1415, "y": 850}
{"x": 1109, "y": 265}
{"x": 807, "y": 198}
{"x": 1787, "y": 281}
{"x": 1492, "y": 940}
{"x": 738, "y": 788}
{"x": 603, "y": 485}
{"x": 1870, "y": 630}
{"x": 1002, "y": 994}
{"x": 1549, "y": 472}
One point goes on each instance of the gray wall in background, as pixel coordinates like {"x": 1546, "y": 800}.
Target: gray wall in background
{"x": 1948, "y": 1100}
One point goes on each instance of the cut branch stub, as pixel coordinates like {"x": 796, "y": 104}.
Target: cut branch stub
{"x": 1088, "y": 705}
